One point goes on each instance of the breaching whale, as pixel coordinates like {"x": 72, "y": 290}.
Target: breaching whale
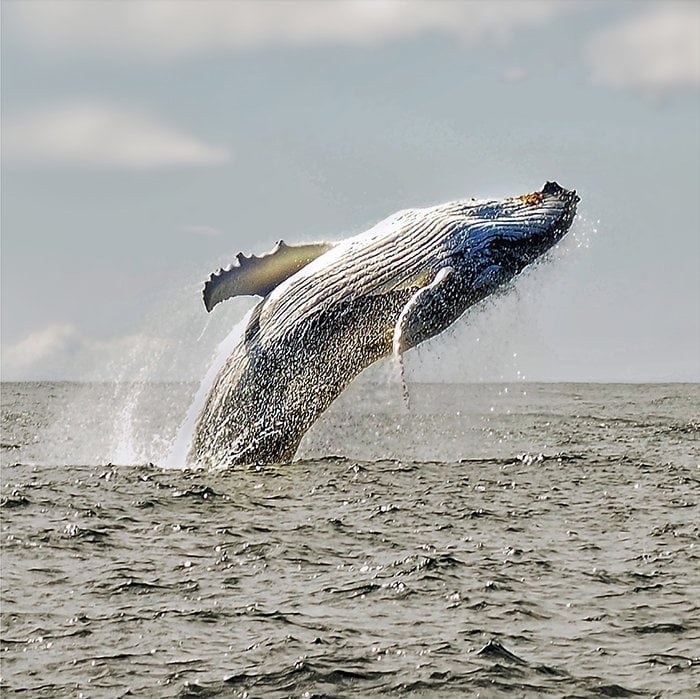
{"x": 329, "y": 310}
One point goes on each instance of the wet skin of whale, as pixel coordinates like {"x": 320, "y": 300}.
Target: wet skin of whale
{"x": 329, "y": 310}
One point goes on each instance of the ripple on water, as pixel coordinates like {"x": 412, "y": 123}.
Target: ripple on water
{"x": 565, "y": 570}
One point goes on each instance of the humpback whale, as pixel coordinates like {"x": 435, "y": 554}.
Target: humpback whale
{"x": 329, "y": 310}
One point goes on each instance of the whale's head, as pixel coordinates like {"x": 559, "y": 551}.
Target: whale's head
{"x": 499, "y": 238}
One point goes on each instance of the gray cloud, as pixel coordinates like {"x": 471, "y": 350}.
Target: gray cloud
{"x": 652, "y": 52}
{"x": 94, "y": 135}
{"x": 61, "y": 351}
{"x": 168, "y": 30}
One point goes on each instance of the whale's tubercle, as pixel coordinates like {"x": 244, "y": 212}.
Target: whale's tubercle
{"x": 258, "y": 276}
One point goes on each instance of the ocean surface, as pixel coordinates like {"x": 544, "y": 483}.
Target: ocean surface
{"x": 480, "y": 540}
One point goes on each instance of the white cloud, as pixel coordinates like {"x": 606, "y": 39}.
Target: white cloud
{"x": 165, "y": 30}
{"x": 40, "y": 347}
{"x": 652, "y": 52}
{"x": 62, "y": 352}
{"x": 93, "y": 135}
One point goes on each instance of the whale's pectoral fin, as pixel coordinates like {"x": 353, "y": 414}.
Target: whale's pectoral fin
{"x": 258, "y": 276}
{"x": 426, "y": 313}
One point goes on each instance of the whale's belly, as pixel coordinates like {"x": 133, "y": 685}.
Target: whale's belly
{"x": 270, "y": 392}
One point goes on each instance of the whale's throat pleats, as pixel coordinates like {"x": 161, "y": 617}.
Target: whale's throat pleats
{"x": 258, "y": 276}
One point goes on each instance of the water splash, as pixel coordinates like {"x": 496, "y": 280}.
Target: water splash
{"x": 125, "y": 451}
{"x": 583, "y": 232}
{"x": 128, "y": 395}
{"x": 177, "y": 457}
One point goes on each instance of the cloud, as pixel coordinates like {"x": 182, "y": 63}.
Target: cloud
{"x": 94, "y": 135}
{"x": 653, "y": 52}
{"x": 62, "y": 352}
{"x": 164, "y": 30}
{"x": 40, "y": 347}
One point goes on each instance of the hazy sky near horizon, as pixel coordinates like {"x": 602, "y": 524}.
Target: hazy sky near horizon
{"x": 145, "y": 143}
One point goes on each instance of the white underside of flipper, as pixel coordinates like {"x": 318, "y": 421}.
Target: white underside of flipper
{"x": 407, "y": 321}
{"x": 409, "y": 325}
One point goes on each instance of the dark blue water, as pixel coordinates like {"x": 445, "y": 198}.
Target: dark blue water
{"x": 539, "y": 540}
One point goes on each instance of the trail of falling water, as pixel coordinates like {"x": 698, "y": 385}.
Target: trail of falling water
{"x": 177, "y": 457}
{"x": 398, "y": 361}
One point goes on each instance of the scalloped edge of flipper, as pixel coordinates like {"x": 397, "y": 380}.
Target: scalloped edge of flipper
{"x": 252, "y": 275}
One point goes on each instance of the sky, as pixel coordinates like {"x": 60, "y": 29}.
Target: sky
{"x": 145, "y": 143}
